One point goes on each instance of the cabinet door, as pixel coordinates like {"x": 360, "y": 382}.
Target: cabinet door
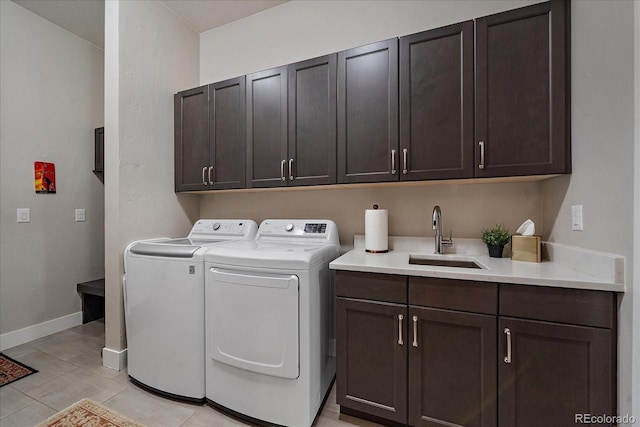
{"x": 267, "y": 128}
{"x": 554, "y": 372}
{"x": 227, "y": 126}
{"x": 522, "y": 102}
{"x": 312, "y": 121}
{"x": 436, "y": 103}
{"x": 372, "y": 358}
{"x": 191, "y": 139}
{"x": 368, "y": 113}
{"x": 452, "y": 368}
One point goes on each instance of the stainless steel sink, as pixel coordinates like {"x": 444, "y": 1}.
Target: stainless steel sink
{"x": 457, "y": 263}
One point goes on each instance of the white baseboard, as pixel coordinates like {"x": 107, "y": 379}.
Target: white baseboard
{"x": 30, "y": 333}
{"x": 114, "y": 359}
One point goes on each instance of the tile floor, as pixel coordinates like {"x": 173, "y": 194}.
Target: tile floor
{"x": 70, "y": 368}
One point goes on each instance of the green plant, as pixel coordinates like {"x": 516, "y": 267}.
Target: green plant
{"x": 495, "y": 236}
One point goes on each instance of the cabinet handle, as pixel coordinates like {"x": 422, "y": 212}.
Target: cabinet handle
{"x": 204, "y": 181}
{"x": 283, "y": 165}
{"x": 393, "y": 162}
{"x": 405, "y": 170}
{"x": 507, "y": 332}
{"x": 415, "y": 331}
{"x": 481, "y": 165}
{"x": 400, "y": 319}
{"x": 291, "y": 170}
{"x": 210, "y": 180}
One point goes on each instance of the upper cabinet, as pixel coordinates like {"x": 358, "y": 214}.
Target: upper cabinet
{"x": 522, "y": 100}
{"x": 267, "y": 128}
{"x": 436, "y": 103}
{"x": 210, "y": 137}
{"x": 227, "y": 125}
{"x": 191, "y": 123}
{"x": 368, "y": 113}
{"x": 482, "y": 98}
{"x": 312, "y": 122}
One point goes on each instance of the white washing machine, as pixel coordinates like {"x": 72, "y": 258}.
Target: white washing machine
{"x": 270, "y": 337}
{"x": 164, "y": 307}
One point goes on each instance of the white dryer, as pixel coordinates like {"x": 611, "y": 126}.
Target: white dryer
{"x": 269, "y": 307}
{"x": 164, "y": 307}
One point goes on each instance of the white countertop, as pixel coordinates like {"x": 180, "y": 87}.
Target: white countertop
{"x": 568, "y": 267}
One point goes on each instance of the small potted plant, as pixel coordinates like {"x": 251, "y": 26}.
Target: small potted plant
{"x": 495, "y": 239}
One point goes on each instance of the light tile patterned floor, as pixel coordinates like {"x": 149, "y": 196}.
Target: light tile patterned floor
{"x": 70, "y": 368}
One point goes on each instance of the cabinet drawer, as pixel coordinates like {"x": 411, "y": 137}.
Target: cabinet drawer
{"x": 462, "y": 295}
{"x": 574, "y": 306}
{"x": 372, "y": 286}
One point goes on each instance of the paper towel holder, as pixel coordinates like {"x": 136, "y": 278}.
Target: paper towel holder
{"x": 382, "y": 250}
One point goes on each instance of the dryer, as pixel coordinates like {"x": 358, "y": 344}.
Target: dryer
{"x": 270, "y": 338}
{"x": 164, "y": 307}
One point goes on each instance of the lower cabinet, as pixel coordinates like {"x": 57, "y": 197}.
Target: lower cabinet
{"x": 452, "y": 369}
{"x": 439, "y": 352}
{"x": 372, "y": 358}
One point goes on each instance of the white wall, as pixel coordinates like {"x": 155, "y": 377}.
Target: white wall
{"x": 51, "y": 88}
{"x": 299, "y": 30}
{"x": 150, "y": 54}
{"x": 635, "y": 406}
{"x": 602, "y": 142}
{"x": 602, "y": 108}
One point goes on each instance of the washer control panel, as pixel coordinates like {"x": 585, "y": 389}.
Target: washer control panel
{"x": 209, "y": 228}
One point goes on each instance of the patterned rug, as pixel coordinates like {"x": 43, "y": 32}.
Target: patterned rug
{"x": 12, "y": 370}
{"x": 87, "y": 413}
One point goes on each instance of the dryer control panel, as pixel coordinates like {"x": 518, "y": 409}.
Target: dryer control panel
{"x": 298, "y": 230}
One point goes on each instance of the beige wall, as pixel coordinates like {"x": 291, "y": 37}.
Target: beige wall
{"x": 466, "y": 209}
{"x": 150, "y": 54}
{"x": 51, "y": 88}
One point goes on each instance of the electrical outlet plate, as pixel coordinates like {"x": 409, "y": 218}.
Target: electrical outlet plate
{"x": 576, "y": 218}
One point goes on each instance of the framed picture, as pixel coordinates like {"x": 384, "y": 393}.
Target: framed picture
{"x": 45, "y": 177}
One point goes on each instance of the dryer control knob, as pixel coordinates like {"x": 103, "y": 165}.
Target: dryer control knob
{"x": 289, "y": 227}
{"x": 216, "y": 226}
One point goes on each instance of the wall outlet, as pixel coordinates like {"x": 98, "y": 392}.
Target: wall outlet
{"x": 80, "y": 215}
{"x": 24, "y": 215}
{"x": 576, "y": 218}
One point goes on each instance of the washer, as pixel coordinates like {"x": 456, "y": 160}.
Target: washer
{"x": 164, "y": 307}
{"x": 269, "y": 322}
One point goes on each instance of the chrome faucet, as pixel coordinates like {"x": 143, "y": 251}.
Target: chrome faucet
{"x": 436, "y": 219}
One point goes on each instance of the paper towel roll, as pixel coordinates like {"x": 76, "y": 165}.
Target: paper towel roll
{"x": 376, "y": 230}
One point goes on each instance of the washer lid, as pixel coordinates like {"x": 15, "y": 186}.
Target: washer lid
{"x": 176, "y": 248}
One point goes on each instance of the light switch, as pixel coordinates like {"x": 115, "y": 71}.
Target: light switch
{"x": 24, "y": 215}
{"x": 576, "y": 218}
{"x": 80, "y": 215}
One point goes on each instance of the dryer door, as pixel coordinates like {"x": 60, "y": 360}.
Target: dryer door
{"x": 253, "y": 321}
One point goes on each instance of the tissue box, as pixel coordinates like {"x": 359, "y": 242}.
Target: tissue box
{"x": 525, "y": 248}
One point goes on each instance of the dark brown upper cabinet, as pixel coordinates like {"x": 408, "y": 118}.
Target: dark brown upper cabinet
{"x": 227, "y": 126}
{"x": 522, "y": 98}
{"x": 436, "y": 104}
{"x": 191, "y": 139}
{"x": 311, "y": 157}
{"x": 368, "y": 113}
{"x": 267, "y": 164}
